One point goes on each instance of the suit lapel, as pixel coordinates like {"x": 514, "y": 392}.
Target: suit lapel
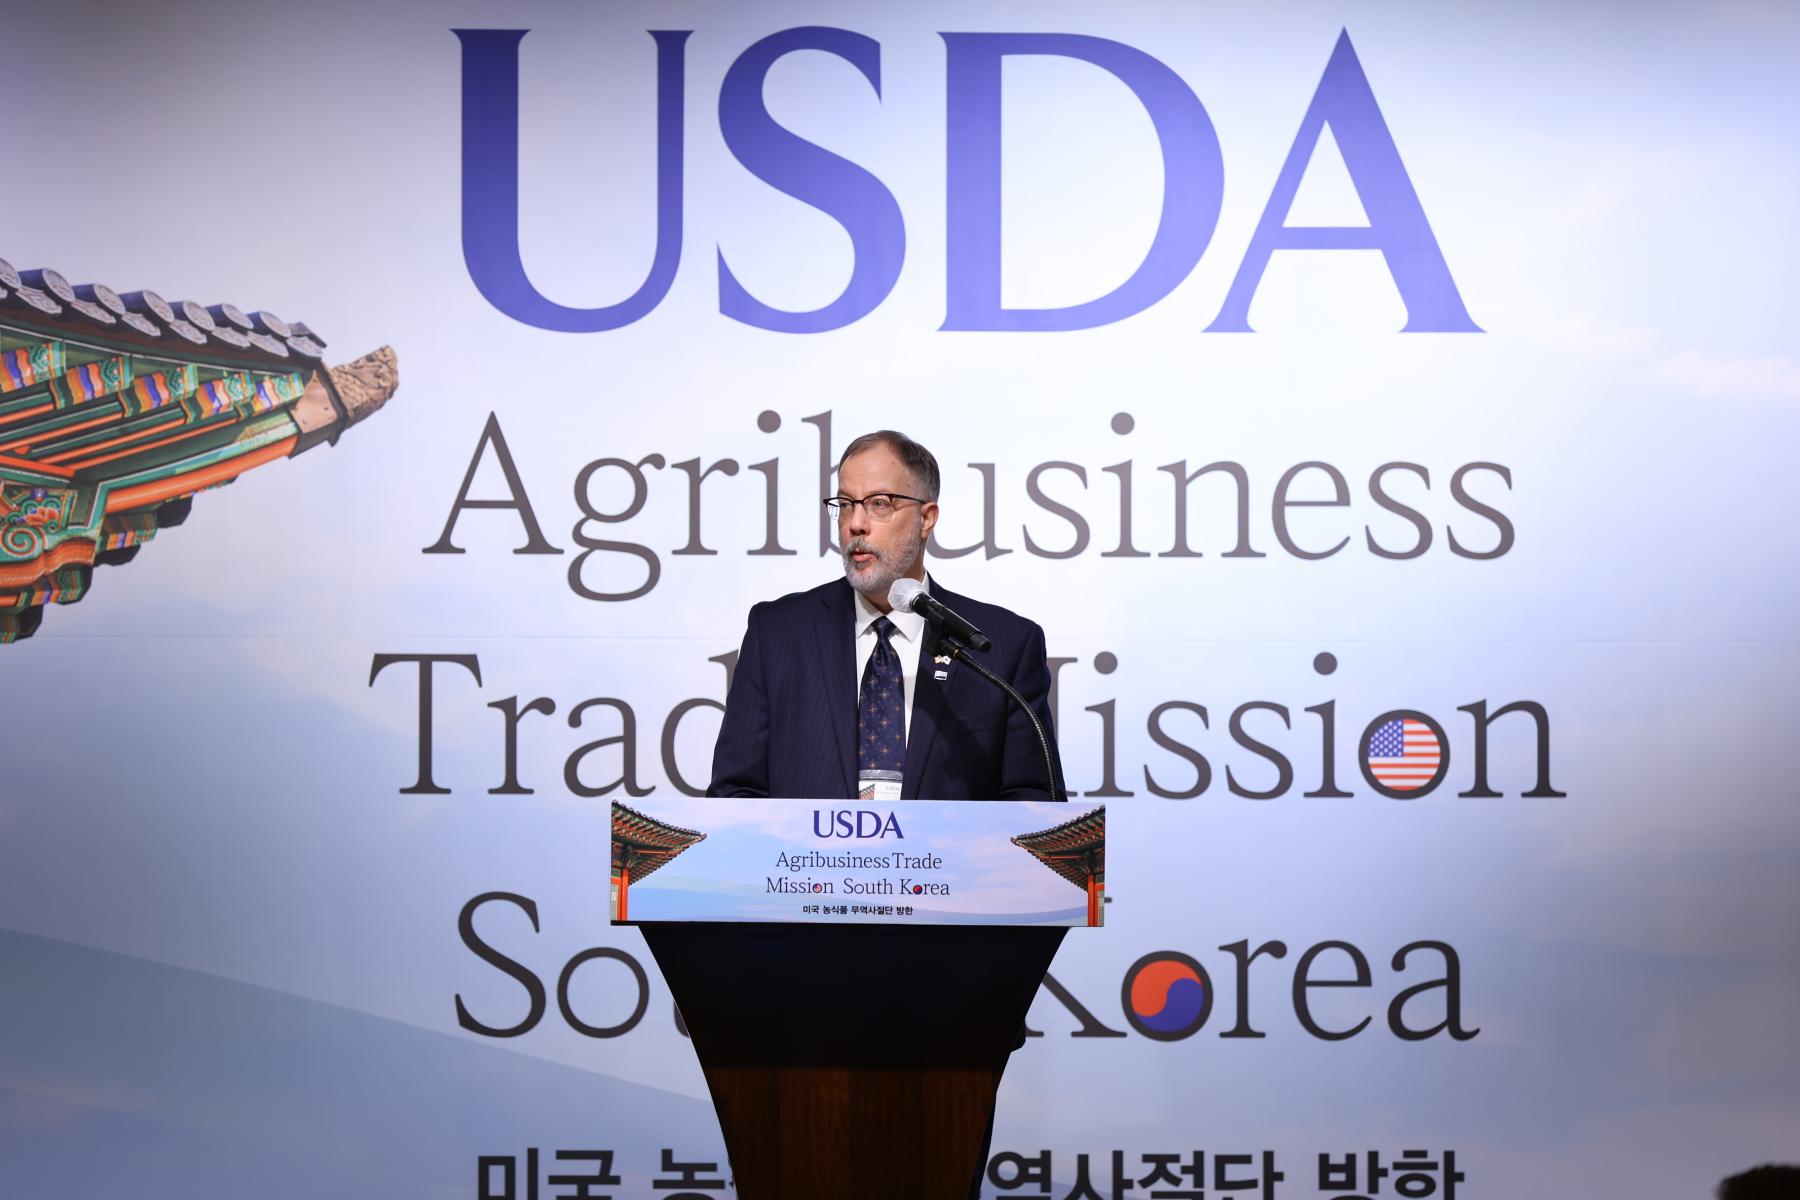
{"x": 835, "y": 628}
{"x": 930, "y": 704}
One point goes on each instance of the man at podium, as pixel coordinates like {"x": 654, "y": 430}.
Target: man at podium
{"x": 837, "y": 694}
{"x": 840, "y": 694}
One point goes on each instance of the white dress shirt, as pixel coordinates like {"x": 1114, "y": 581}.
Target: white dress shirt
{"x": 909, "y": 637}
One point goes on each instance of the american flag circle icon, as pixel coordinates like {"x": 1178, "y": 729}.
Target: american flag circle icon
{"x": 1404, "y": 755}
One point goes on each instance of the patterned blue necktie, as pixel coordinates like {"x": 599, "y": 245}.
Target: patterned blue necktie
{"x": 880, "y": 719}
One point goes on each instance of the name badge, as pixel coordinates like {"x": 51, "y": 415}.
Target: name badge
{"x": 878, "y": 785}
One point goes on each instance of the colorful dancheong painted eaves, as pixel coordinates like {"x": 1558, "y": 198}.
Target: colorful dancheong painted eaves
{"x": 115, "y": 409}
{"x": 1076, "y": 849}
{"x": 641, "y": 843}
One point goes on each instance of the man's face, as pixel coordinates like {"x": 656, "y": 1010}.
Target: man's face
{"x": 878, "y": 552}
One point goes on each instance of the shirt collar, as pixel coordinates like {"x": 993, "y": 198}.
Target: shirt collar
{"x": 909, "y": 625}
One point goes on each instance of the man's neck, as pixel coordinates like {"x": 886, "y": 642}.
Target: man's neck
{"x": 880, "y": 603}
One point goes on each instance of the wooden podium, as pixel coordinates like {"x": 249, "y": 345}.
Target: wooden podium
{"x": 853, "y": 1063}
{"x": 853, "y": 1002}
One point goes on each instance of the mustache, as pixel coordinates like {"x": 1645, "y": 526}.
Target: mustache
{"x": 859, "y": 546}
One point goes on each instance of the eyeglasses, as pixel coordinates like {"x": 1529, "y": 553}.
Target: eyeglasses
{"x": 879, "y": 506}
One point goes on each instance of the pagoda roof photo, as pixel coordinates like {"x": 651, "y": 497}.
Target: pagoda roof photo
{"x": 1073, "y": 849}
{"x": 652, "y": 842}
{"x": 117, "y": 409}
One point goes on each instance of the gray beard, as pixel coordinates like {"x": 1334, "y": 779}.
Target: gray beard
{"x": 875, "y": 582}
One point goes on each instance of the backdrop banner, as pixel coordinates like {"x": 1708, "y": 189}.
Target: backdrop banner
{"x": 1387, "y": 412}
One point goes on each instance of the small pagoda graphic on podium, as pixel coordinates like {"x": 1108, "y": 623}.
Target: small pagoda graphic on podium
{"x": 640, "y": 845}
{"x": 1076, "y": 850}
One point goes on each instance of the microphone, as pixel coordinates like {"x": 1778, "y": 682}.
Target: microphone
{"x": 909, "y": 595}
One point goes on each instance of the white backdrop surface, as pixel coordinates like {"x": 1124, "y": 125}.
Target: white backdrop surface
{"x": 229, "y": 954}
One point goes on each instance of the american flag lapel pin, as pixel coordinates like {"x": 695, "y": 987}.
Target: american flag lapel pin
{"x": 943, "y": 667}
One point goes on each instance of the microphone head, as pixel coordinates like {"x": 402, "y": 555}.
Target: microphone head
{"x": 905, "y": 593}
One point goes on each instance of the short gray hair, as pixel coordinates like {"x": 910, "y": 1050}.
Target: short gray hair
{"x": 916, "y": 458}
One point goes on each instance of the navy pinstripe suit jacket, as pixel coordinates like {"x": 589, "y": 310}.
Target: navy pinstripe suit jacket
{"x": 790, "y": 714}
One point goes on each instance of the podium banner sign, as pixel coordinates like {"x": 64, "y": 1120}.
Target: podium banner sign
{"x": 933, "y": 862}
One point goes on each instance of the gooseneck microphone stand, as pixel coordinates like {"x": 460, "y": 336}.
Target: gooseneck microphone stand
{"x": 960, "y": 652}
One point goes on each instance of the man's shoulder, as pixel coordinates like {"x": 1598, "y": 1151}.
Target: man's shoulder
{"x": 801, "y": 605}
{"x": 985, "y": 616}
